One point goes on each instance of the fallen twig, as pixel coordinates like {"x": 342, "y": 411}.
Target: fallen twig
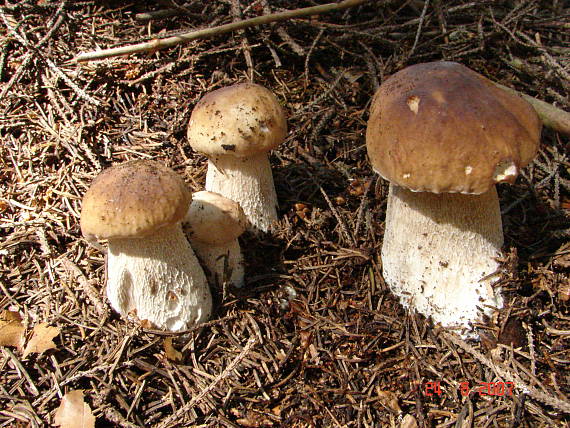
{"x": 33, "y": 50}
{"x": 196, "y": 399}
{"x": 88, "y": 288}
{"x": 32, "y": 387}
{"x": 552, "y": 117}
{"x": 508, "y": 375}
{"x": 157, "y": 14}
{"x": 165, "y": 13}
{"x": 57, "y": 21}
{"x": 214, "y": 31}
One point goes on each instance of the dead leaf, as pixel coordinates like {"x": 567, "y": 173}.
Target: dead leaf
{"x": 41, "y": 340}
{"x": 409, "y": 422}
{"x": 172, "y": 353}
{"x": 389, "y": 399}
{"x": 276, "y": 410}
{"x": 74, "y": 412}
{"x": 513, "y": 333}
{"x": 11, "y": 329}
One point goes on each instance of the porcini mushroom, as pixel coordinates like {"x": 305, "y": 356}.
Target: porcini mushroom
{"x": 443, "y": 135}
{"x": 152, "y": 272}
{"x": 214, "y": 224}
{"x": 235, "y": 127}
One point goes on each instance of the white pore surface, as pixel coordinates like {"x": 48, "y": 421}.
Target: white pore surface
{"x": 222, "y": 263}
{"x": 158, "y": 279}
{"x": 438, "y": 248}
{"x": 248, "y": 181}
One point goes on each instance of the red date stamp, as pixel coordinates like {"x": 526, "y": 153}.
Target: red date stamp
{"x": 498, "y": 389}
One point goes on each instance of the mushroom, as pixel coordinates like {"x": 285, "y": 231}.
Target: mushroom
{"x": 235, "y": 127}
{"x": 443, "y": 135}
{"x": 214, "y": 224}
{"x": 152, "y": 271}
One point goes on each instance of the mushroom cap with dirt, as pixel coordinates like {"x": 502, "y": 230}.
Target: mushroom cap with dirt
{"x": 443, "y": 135}
{"x": 214, "y": 225}
{"x": 152, "y": 271}
{"x": 235, "y": 127}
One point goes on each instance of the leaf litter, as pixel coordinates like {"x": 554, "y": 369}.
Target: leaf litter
{"x": 74, "y": 412}
{"x": 338, "y": 351}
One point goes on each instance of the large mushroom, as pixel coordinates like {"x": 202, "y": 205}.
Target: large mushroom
{"x": 443, "y": 135}
{"x": 214, "y": 225}
{"x": 152, "y": 272}
{"x": 235, "y": 127}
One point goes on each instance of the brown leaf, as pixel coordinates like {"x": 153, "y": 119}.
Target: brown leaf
{"x": 172, "y": 353}
{"x": 11, "y": 329}
{"x": 409, "y": 422}
{"x": 74, "y": 412}
{"x": 389, "y": 399}
{"x": 41, "y": 340}
{"x": 513, "y": 333}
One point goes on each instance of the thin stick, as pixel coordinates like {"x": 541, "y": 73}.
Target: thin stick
{"x": 245, "y": 47}
{"x": 196, "y": 399}
{"x": 419, "y": 30}
{"x": 552, "y": 117}
{"x": 158, "y": 14}
{"x": 502, "y": 372}
{"x": 22, "y": 371}
{"x": 343, "y": 228}
{"x": 34, "y": 50}
{"x": 214, "y": 31}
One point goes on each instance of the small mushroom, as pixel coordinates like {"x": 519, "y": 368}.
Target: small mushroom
{"x": 214, "y": 224}
{"x": 152, "y": 272}
{"x": 235, "y": 127}
{"x": 443, "y": 135}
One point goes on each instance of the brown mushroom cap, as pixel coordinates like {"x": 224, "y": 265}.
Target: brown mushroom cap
{"x": 215, "y": 219}
{"x": 240, "y": 120}
{"x": 441, "y": 127}
{"x": 133, "y": 199}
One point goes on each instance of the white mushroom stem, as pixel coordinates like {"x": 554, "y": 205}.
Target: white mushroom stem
{"x": 159, "y": 279}
{"x": 248, "y": 181}
{"x": 440, "y": 253}
{"x": 222, "y": 263}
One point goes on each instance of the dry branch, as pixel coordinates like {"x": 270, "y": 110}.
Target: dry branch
{"x": 214, "y": 31}
{"x": 510, "y": 376}
{"x": 223, "y": 375}
{"x": 552, "y": 117}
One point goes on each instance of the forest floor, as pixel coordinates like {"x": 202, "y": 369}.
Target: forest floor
{"x": 315, "y": 338}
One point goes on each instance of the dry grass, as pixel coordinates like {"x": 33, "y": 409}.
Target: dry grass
{"x": 342, "y": 352}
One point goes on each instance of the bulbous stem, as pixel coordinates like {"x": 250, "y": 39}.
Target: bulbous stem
{"x": 158, "y": 279}
{"x": 440, "y": 253}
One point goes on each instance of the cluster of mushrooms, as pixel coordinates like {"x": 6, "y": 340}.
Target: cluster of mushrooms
{"x": 441, "y": 134}
{"x": 165, "y": 245}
